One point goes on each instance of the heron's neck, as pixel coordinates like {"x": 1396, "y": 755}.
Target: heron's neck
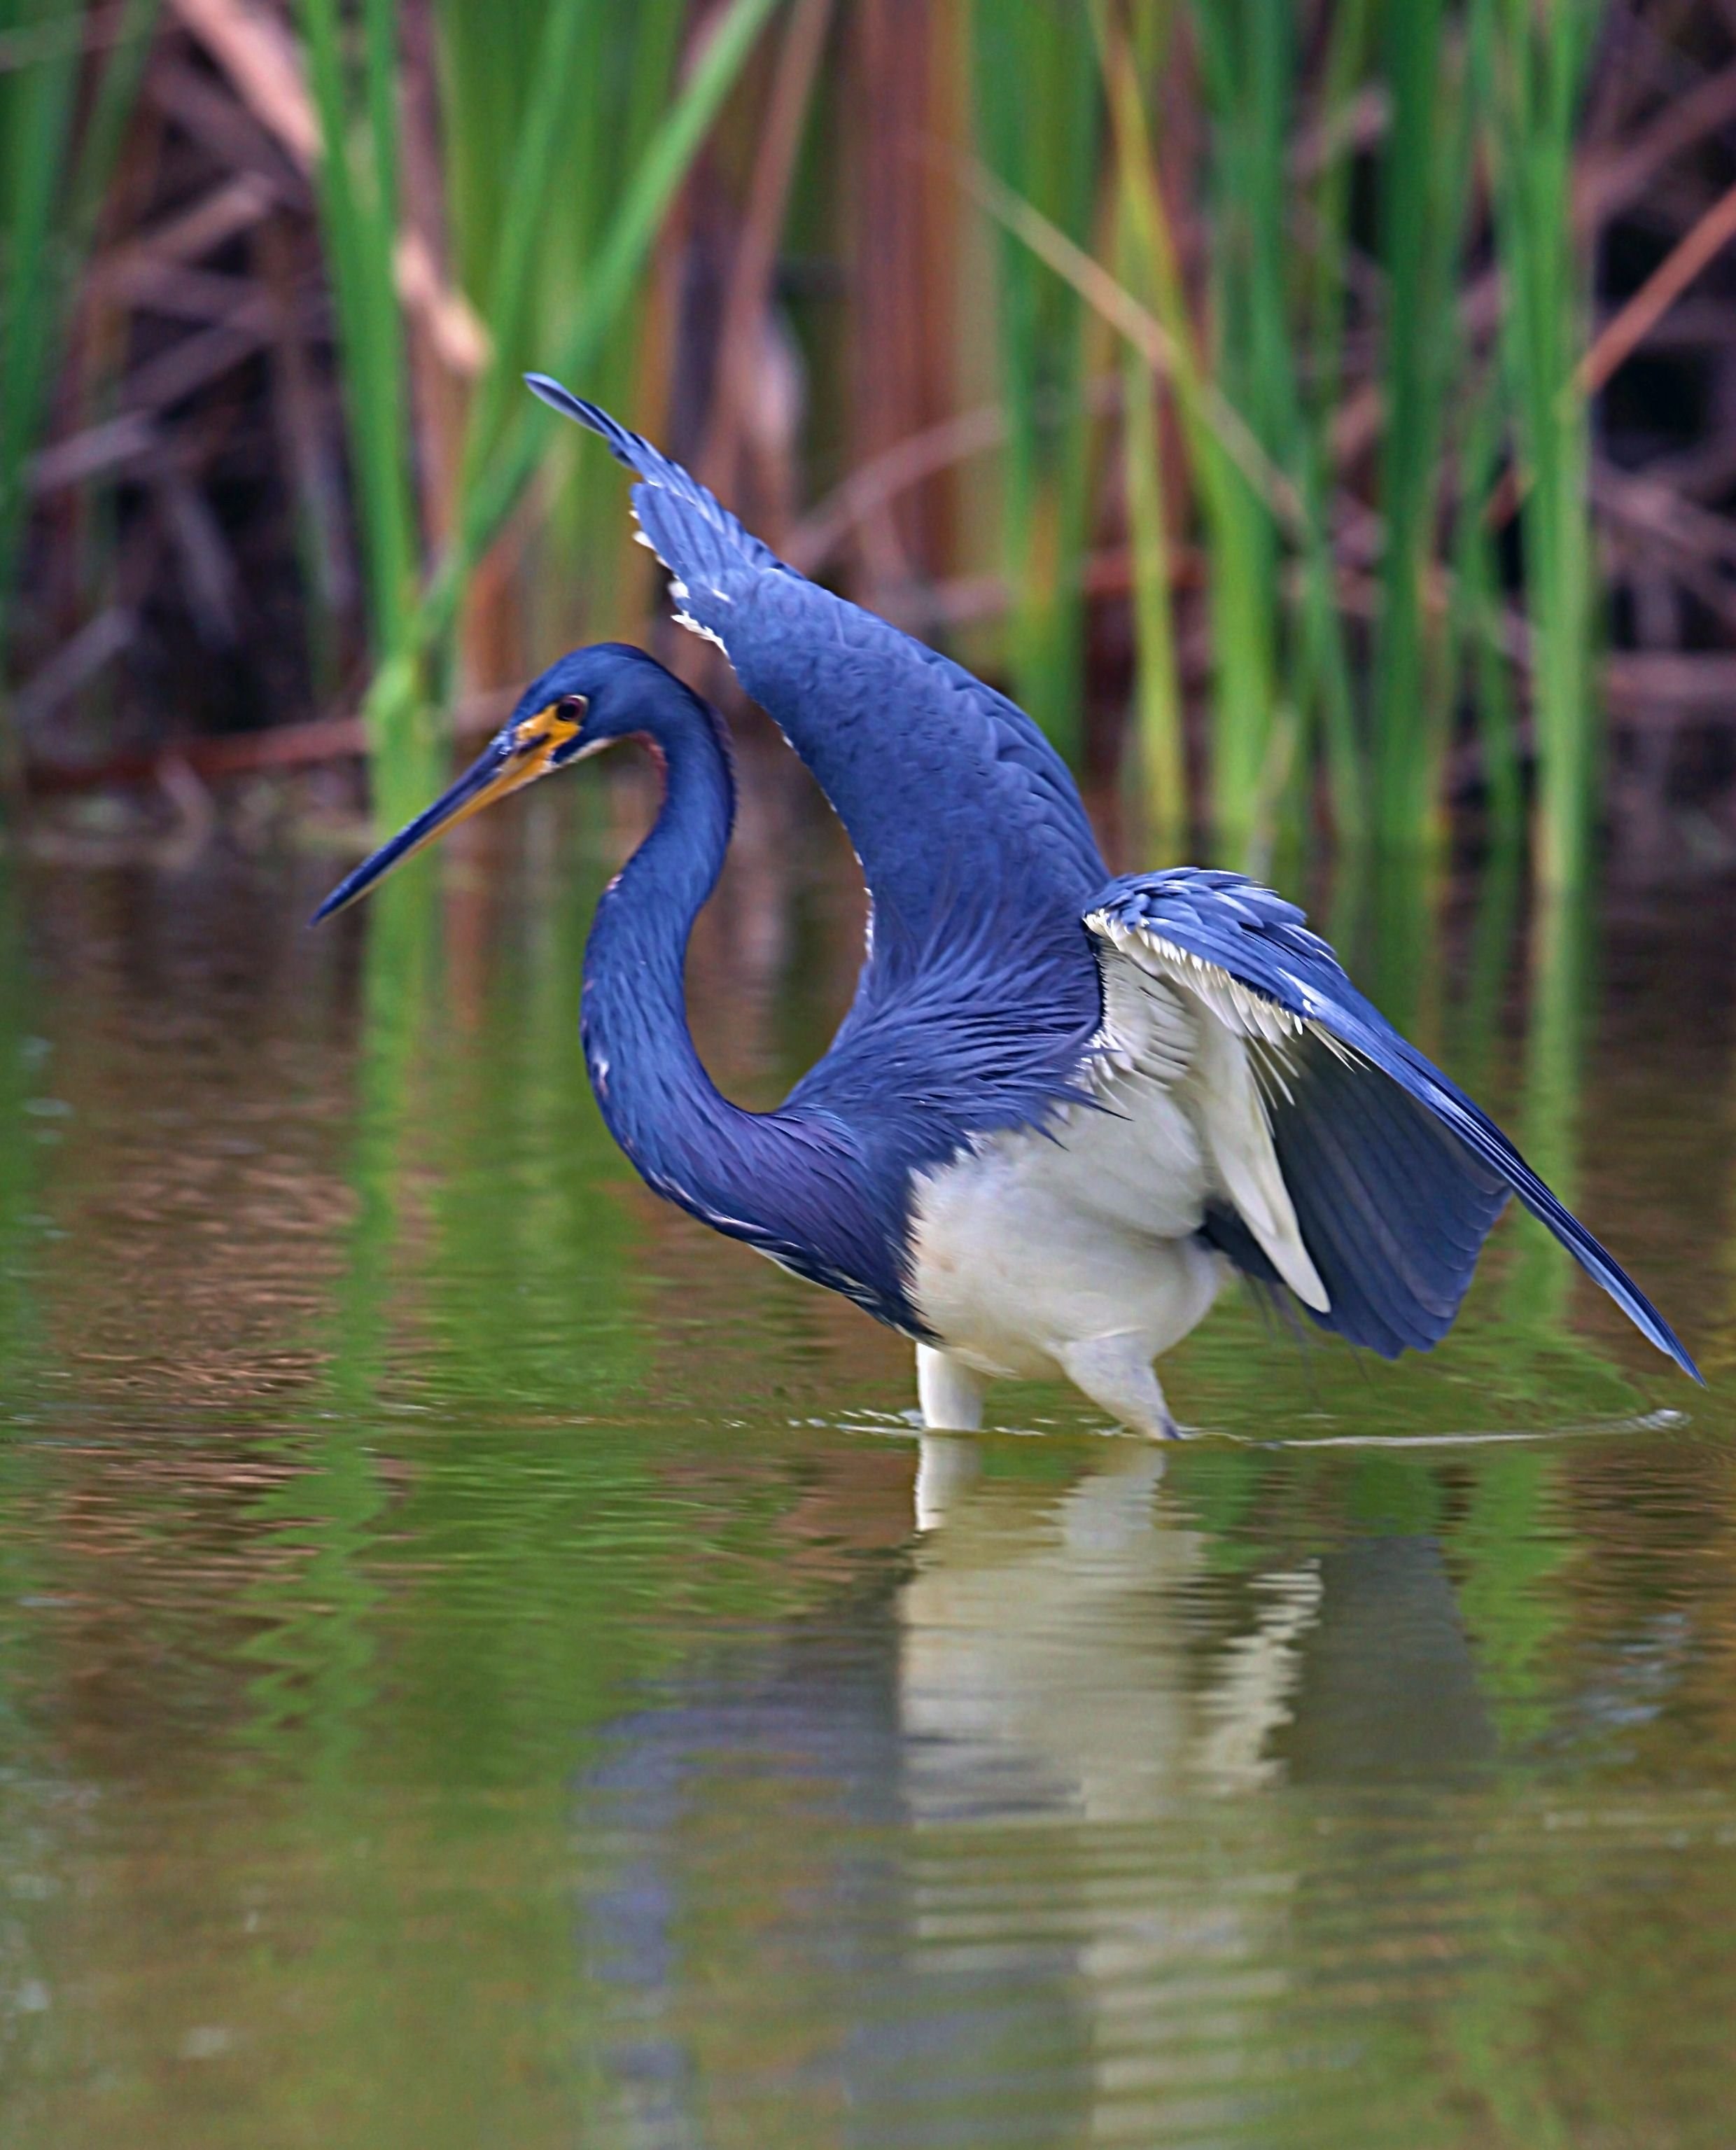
{"x": 798, "y": 1183}
{"x": 659, "y": 1103}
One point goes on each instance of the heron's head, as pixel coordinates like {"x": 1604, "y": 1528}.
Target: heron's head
{"x": 578, "y": 705}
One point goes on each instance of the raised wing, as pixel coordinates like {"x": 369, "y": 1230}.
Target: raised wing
{"x": 964, "y": 817}
{"x": 1389, "y": 1175}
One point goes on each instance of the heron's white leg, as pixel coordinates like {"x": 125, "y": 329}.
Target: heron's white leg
{"x": 949, "y": 1393}
{"x": 946, "y": 1469}
{"x": 1115, "y": 1371}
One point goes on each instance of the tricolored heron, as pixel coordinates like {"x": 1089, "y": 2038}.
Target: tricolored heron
{"x": 1063, "y": 1107}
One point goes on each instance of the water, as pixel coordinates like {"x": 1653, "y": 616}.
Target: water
{"x": 470, "y": 1671}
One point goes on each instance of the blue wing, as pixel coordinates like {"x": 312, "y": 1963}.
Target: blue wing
{"x": 1396, "y": 1175}
{"x": 965, "y": 819}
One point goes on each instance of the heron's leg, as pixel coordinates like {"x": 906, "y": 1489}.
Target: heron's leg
{"x": 946, "y": 1470}
{"x": 949, "y": 1393}
{"x": 1115, "y": 1371}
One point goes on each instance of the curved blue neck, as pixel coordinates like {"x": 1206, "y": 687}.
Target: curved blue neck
{"x": 795, "y": 1183}
{"x": 660, "y": 1105}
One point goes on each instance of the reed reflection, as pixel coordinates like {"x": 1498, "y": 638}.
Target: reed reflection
{"x": 484, "y": 1305}
{"x": 31, "y": 1844}
{"x": 21, "y": 1146}
{"x": 313, "y": 1589}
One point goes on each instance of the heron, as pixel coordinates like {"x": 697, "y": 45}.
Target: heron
{"x": 1064, "y": 1107}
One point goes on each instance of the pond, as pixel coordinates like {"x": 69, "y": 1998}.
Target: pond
{"x": 483, "y": 1661}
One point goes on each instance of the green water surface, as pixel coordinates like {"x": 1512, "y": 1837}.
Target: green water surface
{"x": 471, "y": 1673}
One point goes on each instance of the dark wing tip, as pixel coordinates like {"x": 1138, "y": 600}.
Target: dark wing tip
{"x": 1625, "y": 1292}
{"x": 1605, "y": 1270}
{"x": 547, "y": 389}
{"x": 1667, "y": 1340}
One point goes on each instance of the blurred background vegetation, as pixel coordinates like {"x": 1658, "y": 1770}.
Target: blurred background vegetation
{"x": 1319, "y": 413}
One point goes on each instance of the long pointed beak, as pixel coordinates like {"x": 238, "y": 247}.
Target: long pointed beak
{"x": 514, "y": 758}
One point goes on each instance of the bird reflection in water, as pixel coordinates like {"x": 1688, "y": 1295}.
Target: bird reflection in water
{"x": 1045, "y": 1657}
{"x": 1026, "y": 1824}
{"x": 1063, "y": 1667}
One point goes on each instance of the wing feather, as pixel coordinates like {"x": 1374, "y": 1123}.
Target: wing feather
{"x": 1169, "y": 1023}
{"x": 1394, "y": 1176}
{"x": 1234, "y": 1118}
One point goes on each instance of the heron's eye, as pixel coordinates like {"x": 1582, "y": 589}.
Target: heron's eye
{"x": 566, "y": 724}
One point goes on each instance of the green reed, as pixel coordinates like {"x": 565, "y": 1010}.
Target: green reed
{"x": 54, "y": 173}
{"x": 1475, "y": 629}
{"x": 1531, "y": 62}
{"x": 564, "y": 149}
{"x": 1036, "y": 110}
{"x": 1296, "y": 267}
{"x": 357, "y": 178}
{"x": 1256, "y": 353}
{"x": 1322, "y": 311}
{"x": 545, "y": 122}
{"x": 1255, "y": 425}
{"x": 1230, "y": 466}
{"x": 1145, "y": 257}
{"x": 1423, "y": 180}
{"x": 1247, "y": 55}
{"x": 36, "y": 129}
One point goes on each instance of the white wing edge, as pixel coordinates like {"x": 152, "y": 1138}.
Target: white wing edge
{"x": 1231, "y": 1025}
{"x": 678, "y": 588}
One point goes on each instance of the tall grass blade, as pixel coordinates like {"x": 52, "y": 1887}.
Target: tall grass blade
{"x": 1323, "y": 295}
{"x": 559, "y": 117}
{"x": 357, "y": 188}
{"x": 1476, "y": 620}
{"x": 1532, "y": 57}
{"x": 111, "y": 100}
{"x": 357, "y": 183}
{"x": 1423, "y": 185}
{"x": 1036, "y": 113}
{"x": 576, "y": 343}
{"x": 635, "y": 77}
{"x": 1158, "y": 726}
{"x": 52, "y": 190}
{"x": 1228, "y": 463}
{"x": 1324, "y": 302}
{"x": 503, "y": 461}
{"x": 1158, "y": 729}
{"x": 1247, "y": 51}
{"x": 37, "y": 104}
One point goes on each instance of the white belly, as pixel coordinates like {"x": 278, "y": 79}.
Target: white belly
{"x": 1027, "y": 1244}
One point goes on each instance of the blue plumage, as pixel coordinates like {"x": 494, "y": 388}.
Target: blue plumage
{"x": 1054, "y": 1093}
{"x": 962, "y": 814}
{"x": 978, "y": 997}
{"x": 931, "y": 1053}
